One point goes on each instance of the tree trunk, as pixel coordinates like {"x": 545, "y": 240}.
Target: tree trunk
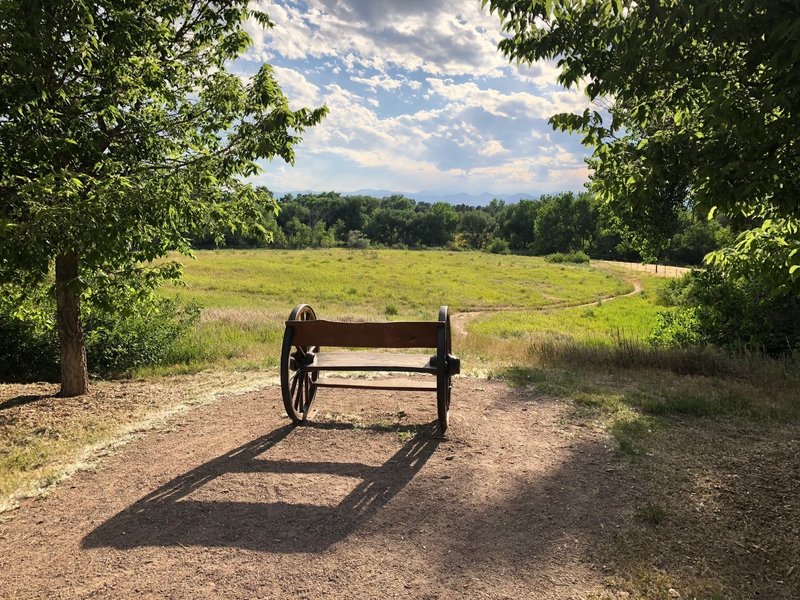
{"x": 74, "y": 373}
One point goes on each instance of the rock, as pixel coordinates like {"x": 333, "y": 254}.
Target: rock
{"x": 673, "y": 593}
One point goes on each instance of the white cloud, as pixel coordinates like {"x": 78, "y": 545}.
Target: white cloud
{"x": 437, "y": 148}
{"x": 493, "y": 148}
{"x": 541, "y": 74}
{"x": 444, "y": 36}
{"x": 476, "y": 123}
{"x": 508, "y": 104}
{"x": 376, "y": 81}
{"x": 299, "y": 90}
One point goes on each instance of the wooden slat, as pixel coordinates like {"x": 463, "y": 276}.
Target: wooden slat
{"x": 371, "y": 361}
{"x": 397, "y": 334}
{"x": 407, "y": 385}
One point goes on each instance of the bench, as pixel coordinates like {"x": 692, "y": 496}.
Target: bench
{"x": 302, "y": 360}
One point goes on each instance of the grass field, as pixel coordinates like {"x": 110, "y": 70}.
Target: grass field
{"x": 632, "y": 317}
{"x": 364, "y": 283}
{"x": 247, "y": 295}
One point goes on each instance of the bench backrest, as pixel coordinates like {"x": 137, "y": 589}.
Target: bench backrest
{"x": 396, "y": 334}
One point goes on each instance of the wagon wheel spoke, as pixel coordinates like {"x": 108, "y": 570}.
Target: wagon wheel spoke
{"x": 294, "y": 383}
{"x": 298, "y": 400}
{"x": 306, "y": 394}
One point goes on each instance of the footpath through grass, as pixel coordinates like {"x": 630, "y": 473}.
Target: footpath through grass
{"x": 632, "y": 317}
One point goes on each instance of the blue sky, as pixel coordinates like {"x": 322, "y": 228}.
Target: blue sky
{"x": 419, "y": 99}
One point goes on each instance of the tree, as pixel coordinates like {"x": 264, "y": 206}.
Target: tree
{"x": 390, "y": 226}
{"x": 298, "y": 234}
{"x": 696, "y": 239}
{"x": 515, "y": 223}
{"x": 122, "y": 138}
{"x": 476, "y": 227}
{"x": 703, "y": 104}
{"x": 437, "y": 225}
{"x": 564, "y": 223}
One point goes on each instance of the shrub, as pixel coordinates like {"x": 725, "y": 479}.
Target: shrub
{"x": 737, "y": 314}
{"x": 29, "y": 348}
{"x": 680, "y": 328}
{"x": 498, "y": 246}
{"x": 27, "y": 353}
{"x": 118, "y": 342}
{"x": 357, "y": 239}
{"x": 131, "y": 332}
{"x": 390, "y": 310}
{"x": 567, "y": 257}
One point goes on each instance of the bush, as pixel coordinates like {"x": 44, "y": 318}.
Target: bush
{"x": 567, "y": 257}
{"x": 27, "y": 352}
{"x": 132, "y": 333}
{"x": 118, "y": 342}
{"x": 680, "y": 329}
{"x": 498, "y": 246}
{"x": 736, "y": 314}
{"x": 357, "y": 239}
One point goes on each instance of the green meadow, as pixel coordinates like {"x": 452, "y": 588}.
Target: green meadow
{"x": 247, "y": 295}
{"x": 365, "y": 282}
{"x": 631, "y": 317}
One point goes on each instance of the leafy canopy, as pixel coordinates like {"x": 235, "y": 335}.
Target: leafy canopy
{"x": 704, "y": 102}
{"x": 123, "y": 135}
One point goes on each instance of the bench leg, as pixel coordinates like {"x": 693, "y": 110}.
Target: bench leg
{"x": 443, "y": 378}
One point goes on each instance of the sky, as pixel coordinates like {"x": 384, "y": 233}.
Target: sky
{"x": 419, "y": 98}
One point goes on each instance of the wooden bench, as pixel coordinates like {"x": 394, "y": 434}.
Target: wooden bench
{"x": 302, "y": 360}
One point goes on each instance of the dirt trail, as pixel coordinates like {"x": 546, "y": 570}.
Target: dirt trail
{"x": 459, "y": 321}
{"x": 231, "y": 502}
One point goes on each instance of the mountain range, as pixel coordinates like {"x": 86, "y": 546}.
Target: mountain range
{"x": 480, "y": 199}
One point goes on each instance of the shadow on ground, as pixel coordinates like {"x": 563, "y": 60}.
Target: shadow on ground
{"x": 20, "y": 401}
{"x": 166, "y": 517}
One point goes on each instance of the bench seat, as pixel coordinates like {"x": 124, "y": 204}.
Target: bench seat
{"x": 371, "y": 361}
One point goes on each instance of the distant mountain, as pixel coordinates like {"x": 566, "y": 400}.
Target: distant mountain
{"x": 452, "y": 198}
{"x": 375, "y": 193}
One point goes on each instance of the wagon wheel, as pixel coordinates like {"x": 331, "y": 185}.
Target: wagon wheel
{"x": 297, "y": 383}
{"x": 443, "y": 377}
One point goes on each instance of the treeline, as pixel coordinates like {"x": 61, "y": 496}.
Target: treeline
{"x": 564, "y": 222}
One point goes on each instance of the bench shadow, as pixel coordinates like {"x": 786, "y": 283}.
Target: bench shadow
{"x": 166, "y": 517}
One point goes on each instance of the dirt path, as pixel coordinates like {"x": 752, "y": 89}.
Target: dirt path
{"x": 231, "y": 502}
{"x": 459, "y": 321}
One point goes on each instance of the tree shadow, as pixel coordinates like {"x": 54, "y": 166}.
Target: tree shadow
{"x": 558, "y": 517}
{"x": 169, "y": 517}
{"x": 21, "y": 401}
